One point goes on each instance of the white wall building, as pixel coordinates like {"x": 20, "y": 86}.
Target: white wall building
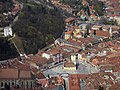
{"x": 7, "y": 31}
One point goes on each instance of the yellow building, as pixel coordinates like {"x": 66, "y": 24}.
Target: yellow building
{"x": 69, "y": 65}
{"x": 76, "y": 31}
{"x": 68, "y": 35}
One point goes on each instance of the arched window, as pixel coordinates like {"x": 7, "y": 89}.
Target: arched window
{"x": 1, "y": 84}
{"x": 27, "y": 84}
{"x": 22, "y": 84}
{"x": 31, "y": 84}
{"x": 13, "y": 84}
{"x": 9, "y": 83}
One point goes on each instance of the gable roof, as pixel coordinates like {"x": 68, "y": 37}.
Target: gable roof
{"x": 25, "y": 74}
{"x": 101, "y": 33}
{"x": 11, "y": 73}
{"x": 8, "y": 73}
{"x": 69, "y": 19}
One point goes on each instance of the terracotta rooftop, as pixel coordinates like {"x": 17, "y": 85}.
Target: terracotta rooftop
{"x": 53, "y": 51}
{"x": 69, "y": 64}
{"x": 39, "y": 60}
{"x": 9, "y": 73}
{"x": 90, "y": 81}
{"x": 51, "y": 82}
{"x": 20, "y": 65}
{"x": 69, "y": 19}
{"x": 75, "y": 42}
{"x": 75, "y": 49}
{"x": 115, "y": 86}
{"x": 25, "y": 74}
{"x": 39, "y": 75}
{"x": 69, "y": 32}
{"x": 101, "y": 33}
{"x": 115, "y": 54}
{"x": 86, "y": 40}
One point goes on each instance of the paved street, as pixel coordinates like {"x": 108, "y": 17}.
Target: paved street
{"x": 82, "y": 69}
{"x": 86, "y": 68}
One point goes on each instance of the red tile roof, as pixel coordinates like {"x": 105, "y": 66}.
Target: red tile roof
{"x": 53, "y": 51}
{"x": 69, "y": 32}
{"x": 25, "y": 74}
{"x": 39, "y": 60}
{"x": 74, "y": 83}
{"x": 115, "y": 86}
{"x": 92, "y": 81}
{"x": 69, "y": 19}
{"x": 75, "y": 42}
{"x": 69, "y": 64}
{"x": 101, "y": 33}
{"x": 9, "y": 73}
{"x": 39, "y": 75}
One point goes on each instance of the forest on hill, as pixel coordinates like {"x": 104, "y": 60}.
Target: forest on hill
{"x": 37, "y": 26}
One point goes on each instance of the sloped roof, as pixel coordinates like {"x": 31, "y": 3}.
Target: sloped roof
{"x": 8, "y": 73}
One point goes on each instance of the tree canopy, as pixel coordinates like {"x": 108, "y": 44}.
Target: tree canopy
{"x": 37, "y": 26}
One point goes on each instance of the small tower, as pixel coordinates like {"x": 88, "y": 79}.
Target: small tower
{"x": 110, "y": 31}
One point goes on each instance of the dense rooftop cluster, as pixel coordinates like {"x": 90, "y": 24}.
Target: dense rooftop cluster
{"x": 85, "y": 57}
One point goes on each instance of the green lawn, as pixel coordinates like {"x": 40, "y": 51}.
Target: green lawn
{"x": 18, "y": 43}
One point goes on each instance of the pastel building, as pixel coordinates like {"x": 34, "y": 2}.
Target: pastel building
{"x": 69, "y": 65}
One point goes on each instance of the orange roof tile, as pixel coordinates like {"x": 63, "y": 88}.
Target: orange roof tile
{"x": 69, "y": 19}
{"x": 75, "y": 42}
{"x": 69, "y": 64}
{"x": 39, "y": 75}
{"x": 53, "y": 51}
{"x": 69, "y": 32}
{"x": 9, "y": 73}
{"x": 92, "y": 81}
{"x": 25, "y": 74}
{"x": 101, "y": 33}
{"x": 96, "y": 27}
{"x": 39, "y": 60}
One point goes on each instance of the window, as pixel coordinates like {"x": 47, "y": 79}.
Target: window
{"x": 31, "y": 84}
{"x": 27, "y": 84}
{"x": 22, "y": 84}
{"x": 13, "y": 84}
{"x": 1, "y": 84}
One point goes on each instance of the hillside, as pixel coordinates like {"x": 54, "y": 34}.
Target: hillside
{"x": 38, "y": 25}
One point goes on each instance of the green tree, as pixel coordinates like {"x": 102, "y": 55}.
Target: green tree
{"x": 109, "y": 22}
{"x": 37, "y": 25}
